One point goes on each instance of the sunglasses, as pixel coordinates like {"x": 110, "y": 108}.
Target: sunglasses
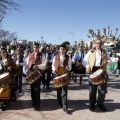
{"x": 3, "y": 53}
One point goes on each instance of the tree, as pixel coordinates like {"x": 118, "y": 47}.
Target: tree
{"x": 66, "y": 43}
{"x": 6, "y": 6}
{"x": 6, "y": 37}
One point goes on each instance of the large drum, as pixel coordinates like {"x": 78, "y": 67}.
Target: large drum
{"x": 4, "y": 78}
{"x": 78, "y": 66}
{"x": 61, "y": 81}
{"x": 5, "y": 92}
{"x": 99, "y": 77}
{"x": 33, "y": 76}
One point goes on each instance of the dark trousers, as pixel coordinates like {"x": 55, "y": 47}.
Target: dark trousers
{"x": 14, "y": 86}
{"x": 20, "y": 81}
{"x": 46, "y": 82}
{"x": 93, "y": 89}
{"x": 35, "y": 92}
{"x": 62, "y": 97}
{"x": 101, "y": 89}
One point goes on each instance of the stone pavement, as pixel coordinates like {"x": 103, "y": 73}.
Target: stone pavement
{"x": 78, "y": 104}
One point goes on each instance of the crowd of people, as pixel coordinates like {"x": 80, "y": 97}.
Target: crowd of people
{"x": 55, "y": 63}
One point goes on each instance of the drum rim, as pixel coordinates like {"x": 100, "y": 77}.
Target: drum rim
{"x": 95, "y": 72}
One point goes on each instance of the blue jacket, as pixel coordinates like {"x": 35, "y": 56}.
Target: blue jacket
{"x": 77, "y": 58}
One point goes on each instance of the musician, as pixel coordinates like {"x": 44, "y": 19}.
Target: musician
{"x": 34, "y": 60}
{"x": 71, "y": 54}
{"x": 61, "y": 63}
{"x": 77, "y": 58}
{"x": 7, "y": 65}
{"x": 20, "y": 62}
{"x": 95, "y": 59}
{"x": 47, "y": 57}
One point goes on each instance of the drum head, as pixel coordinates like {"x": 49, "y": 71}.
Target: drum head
{"x": 4, "y": 75}
{"x": 57, "y": 77}
{"x": 95, "y": 74}
{"x": 61, "y": 76}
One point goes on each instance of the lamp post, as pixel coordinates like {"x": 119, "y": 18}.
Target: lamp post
{"x": 61, "y": 40}
{"x": 55, "y": 42}
{"x": 73, "y": 36}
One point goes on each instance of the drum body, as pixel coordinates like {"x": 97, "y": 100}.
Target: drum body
{"x": 60, "y": 70}
{"x": 61, "y": 81}
{"x": 79, "y": 68}
{"x": 98, "y": 77}
{"x": 4, "y": 78}
{"x": 33, "y": 76}
{"x": 5, "y": 92}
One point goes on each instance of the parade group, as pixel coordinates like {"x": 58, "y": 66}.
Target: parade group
{"x": 40, "y": 66}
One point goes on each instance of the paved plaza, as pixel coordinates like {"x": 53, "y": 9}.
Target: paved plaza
{"x": 78, "y": 103}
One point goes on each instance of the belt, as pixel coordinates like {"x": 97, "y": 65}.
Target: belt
{"x": 95, "y": 68}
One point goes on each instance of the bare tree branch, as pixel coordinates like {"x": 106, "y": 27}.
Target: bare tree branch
{"x": 7, "y": 6}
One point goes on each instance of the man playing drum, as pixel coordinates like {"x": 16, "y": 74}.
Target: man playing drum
{"x": 34, "y": 60}
{"x": 77, "y": 61}
{"x": 61, "y": 64}
{"x": 20, "y": 62}
{"x": 47, "y": 57}
{"x": 95, "y": 59}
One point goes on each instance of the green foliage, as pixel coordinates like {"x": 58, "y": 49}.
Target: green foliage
{"x": 66, "y": 43}
{"x": 4, "y": 43}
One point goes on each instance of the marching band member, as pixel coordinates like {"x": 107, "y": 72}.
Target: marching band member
{"x": 34, "y": 60}
{"x": 71, "y": 54}
{"x": 7, "y": 65}
{"x": 47, "y": 57}
{"x": 61, "y": 63}
{"x": 20, "y": 62}
{"x": 95, "y": 59}
{"x": 77, "y": 59}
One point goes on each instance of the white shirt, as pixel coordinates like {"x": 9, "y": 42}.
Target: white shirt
{"x": 98, "y": 59}
{"x": 4, "y": 62}
{"x": 61, "y": 62}
{"x": 17, "y": 61}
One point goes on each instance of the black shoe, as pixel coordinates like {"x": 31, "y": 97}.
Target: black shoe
{"x": 44, "y": 87}
{"x": 74, "y": 80}
{"x": 60, "y": 106}
{"x": 33, "y": 104}
{"x": 92, "y": 107}
{"x": 102, "y": 107}
{"x": 37, "y": 108}
{"x": 80, "y": 83}
{"x": 66, "y": 111}
{"x": 116, "y": 75}
{"x": 4, "y": 108}
{"x": 47, "y": 88}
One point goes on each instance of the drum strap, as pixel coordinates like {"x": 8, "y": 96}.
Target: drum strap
{"x": 101, "y": 59}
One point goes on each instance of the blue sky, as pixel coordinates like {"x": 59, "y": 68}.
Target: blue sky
{"x": 54, "y": 19}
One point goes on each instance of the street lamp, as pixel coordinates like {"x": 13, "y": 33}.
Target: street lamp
{"x": 55, "y": 42}
{"x": 61, "y": 40}
{"x": 73, "y": 36}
